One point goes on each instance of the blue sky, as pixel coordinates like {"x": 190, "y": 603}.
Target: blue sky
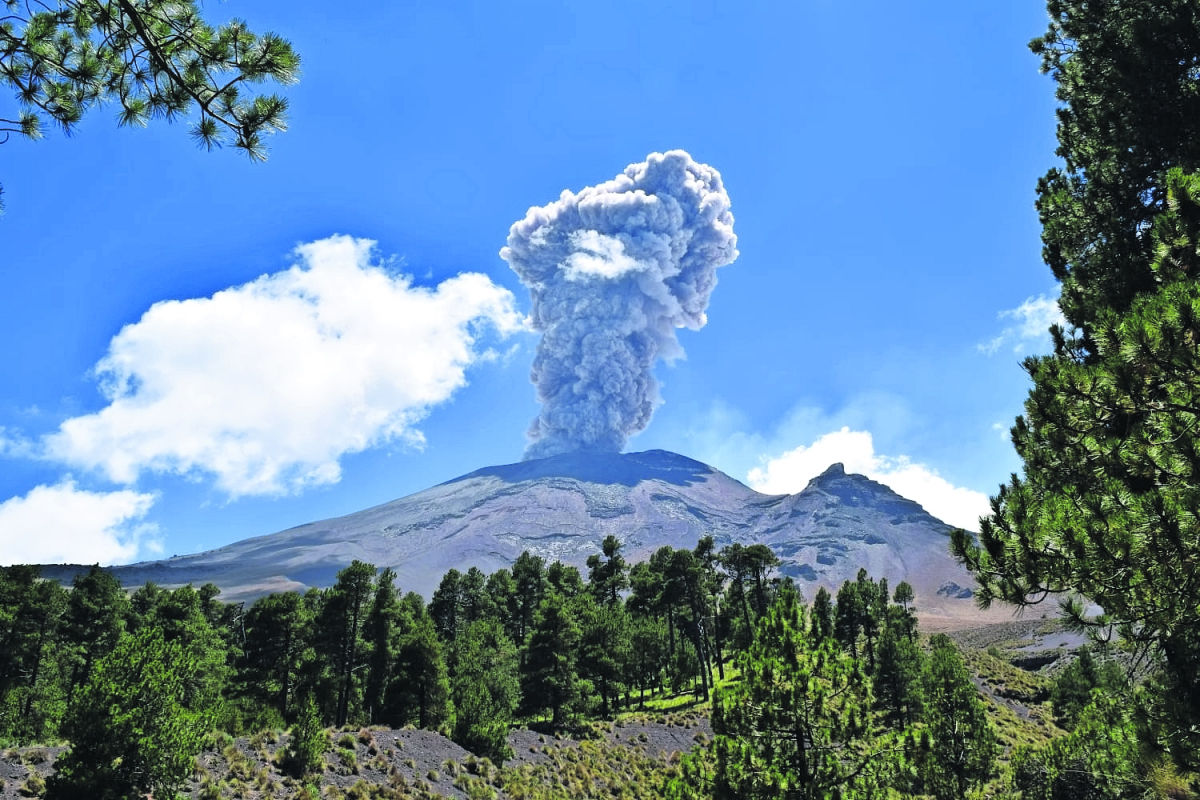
{"x": 199, "y": 349}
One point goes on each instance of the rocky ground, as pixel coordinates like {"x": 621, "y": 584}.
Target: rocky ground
{"x": 422, "y": 764}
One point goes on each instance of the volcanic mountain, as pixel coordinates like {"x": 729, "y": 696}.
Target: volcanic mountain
{"x": 561, "y": 507}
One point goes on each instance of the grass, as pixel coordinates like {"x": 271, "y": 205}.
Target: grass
{"x": 1007, "y": 680}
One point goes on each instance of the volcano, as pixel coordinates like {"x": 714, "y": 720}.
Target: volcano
{"x": 562, "y": 507}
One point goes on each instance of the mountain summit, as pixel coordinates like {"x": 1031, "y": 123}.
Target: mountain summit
{"x": 562, "y": 507}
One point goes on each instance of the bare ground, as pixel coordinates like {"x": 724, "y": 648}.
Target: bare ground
{"x": 411, "y": 763}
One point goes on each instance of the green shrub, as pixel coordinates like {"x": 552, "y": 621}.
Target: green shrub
{"x": 305, "y": 753}
{"x": 138, "y": 724}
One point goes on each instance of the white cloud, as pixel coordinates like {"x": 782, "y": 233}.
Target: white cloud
{"x": 1033, "y": 319}
{"x": 63, "y": 524}
{"x": 265, "y": 386}
{"x": 791, "y": 472}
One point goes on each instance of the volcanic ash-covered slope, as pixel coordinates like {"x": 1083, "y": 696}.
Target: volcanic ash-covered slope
{"x": 563, "y": 506}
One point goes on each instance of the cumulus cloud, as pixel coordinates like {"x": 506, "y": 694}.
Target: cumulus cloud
{"x": 613, "y": 272}
{"x": 1030, "y": 329}
{"x": 265, "y": 386}
{"x": 791, "y": 472}
{"x": 65, "y": 524}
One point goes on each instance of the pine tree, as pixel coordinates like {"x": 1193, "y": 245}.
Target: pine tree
{"x": 898, "y": 676}
{"x": 872, "y": 605}
{"x": 605, "y": 647}
{"x": 342, "y": 619}
{"x": 550, "y": 678}
{"x": 822, "y": 615}
{"x": 31, "y": 612}
{"x": 1099, "y": 760}
{"x": 907, "y": 618}
{"x": 608, "y": 576}
{"x": 712, "y": 582}
{"x": 564, "y": 579}
{"x": 420, "y": 688}
{"x": 94, "y": 620}
{"x": 475, "y": 601}
{"x": 153, "y": 58}
{"x": 1107, "y": 503}
{"x": 963, "y": 747}
{"x": 446, "y": 606}
{"x": 486, "y": 690}
{"x": 382, "y": 634}
{"x": 137, "y": 726}
{"x": 529, "y": 586}
{"x": 848, "y": 616}
{"x": 501, "y": 601}
{"x": 798, "y": 723}
{"x": 648, "y": 642}
{"x": 760, "y": 561}
{"x": 733, "y": 559}
{"x": 307, "y": 742}
{"x": 1073, "y": 687}
{"x": 276, "y": 638}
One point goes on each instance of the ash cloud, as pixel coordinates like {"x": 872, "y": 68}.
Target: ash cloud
{"x": 613, "y": 271}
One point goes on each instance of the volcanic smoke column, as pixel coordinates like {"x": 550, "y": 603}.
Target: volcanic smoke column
{"x": 613, "y": 271}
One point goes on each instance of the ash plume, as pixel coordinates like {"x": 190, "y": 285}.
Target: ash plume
{"x": 613, "y": 271}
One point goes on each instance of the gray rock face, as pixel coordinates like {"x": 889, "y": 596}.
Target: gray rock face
{"x": 562, "y": 507}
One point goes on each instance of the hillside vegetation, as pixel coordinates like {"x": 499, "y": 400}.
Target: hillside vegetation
{"x": 697, "y": 673}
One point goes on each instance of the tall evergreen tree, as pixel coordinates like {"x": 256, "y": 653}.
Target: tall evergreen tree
{"x": 501, "y": 601}
{"x": 898, "y": 676}
{"x": 1099, "y": 760}
{"x": 798, "y": 723}
{"x": 276, "y": 638}
{"x": 446, "y": 606}
{"x": 1073, "y": 687}
{"x": 608, "y": 575}
{"x": 550, "y": 678}
{"x": 648, "y": 643}
{"x": 565, "y": 579}
{"x": 963, "y": 745}
{"x": 712, "y": 582}
{"x": 31, "y": 618}
{"x": 733, "y": 559}
{"x": 872, "y": 605}
{"x": 94, "y": 620}
{"x": 382, "y": 631}
{"x": 529, "y": 586}
{"x": 476, "y": 603}
{"x": 604, "y": 651}
{"x": 760, "y": 562}
{"x": 420, "y": 688}
{"x": 907, "y": 617}
{"x": 847, "y": 620}
{"x": 179, "y": 617}
{"x": 345, "y": 610}
{"x": 1107, "y": 503}
{"x": 486, "y": 689}
{"x": 822, "y": 615}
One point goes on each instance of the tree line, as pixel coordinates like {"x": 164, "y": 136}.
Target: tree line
{"x": 533, "y": 641}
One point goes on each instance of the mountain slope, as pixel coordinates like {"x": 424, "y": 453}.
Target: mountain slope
{"x": 563, "y": 506}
